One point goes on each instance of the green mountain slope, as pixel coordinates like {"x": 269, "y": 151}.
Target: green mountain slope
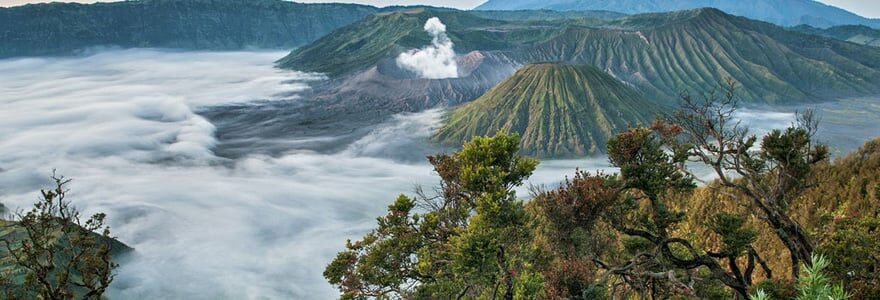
{"x": 387, "y": 34}
{"x": 61, "y": 28}
{"x": 863, "y": 35}
{"x": 664, "y": 54}
{"x": 558, "y": 110}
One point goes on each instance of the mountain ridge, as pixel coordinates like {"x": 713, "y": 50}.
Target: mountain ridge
{"x": 780, "y": 12}
{"x": 661, "y": 54}
{"x": 858, "y": 34}
{"x": 65, "y": 28}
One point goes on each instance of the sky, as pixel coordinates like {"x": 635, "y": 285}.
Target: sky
{"x": 867, "y": 8}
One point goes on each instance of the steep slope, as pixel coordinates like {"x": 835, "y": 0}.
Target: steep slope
{"x": 780, "y": 12}
{"x": 61, "y": 28}
{"x": 558, "y": 110}
{"x": 858, "y": 34}
{"x": 363, "y": 44}
{"x": 664, "y": 54}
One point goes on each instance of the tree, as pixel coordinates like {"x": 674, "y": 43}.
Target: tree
{"x": 854, "y": 246}
{"x": 569, "y": 229}
{"x": 766, "y": 177}
{"x": 471, "y": 241}
{"x": 651, "y": 178}
{"x": 62, "y": 257}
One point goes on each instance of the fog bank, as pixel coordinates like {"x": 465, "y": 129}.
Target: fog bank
{"x": 122, "y": 124}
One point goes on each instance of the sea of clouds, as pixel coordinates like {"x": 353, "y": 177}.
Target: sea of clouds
{"x": 123, "y": 125}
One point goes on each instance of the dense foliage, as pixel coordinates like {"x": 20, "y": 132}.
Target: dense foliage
{"x": 472, "y": 241}
{"x": 647, "y": 232}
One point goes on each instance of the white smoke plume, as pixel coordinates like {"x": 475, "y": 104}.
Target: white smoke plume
{"x": 436, "y": 61}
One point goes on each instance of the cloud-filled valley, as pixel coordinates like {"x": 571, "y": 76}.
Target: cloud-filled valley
{"x": 123, "y": 125}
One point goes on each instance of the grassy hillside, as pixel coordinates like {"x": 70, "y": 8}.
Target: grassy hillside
{"x": 61, "y": 28}
{"x": 664, "y": 54}
{"x": 558, "y": 110}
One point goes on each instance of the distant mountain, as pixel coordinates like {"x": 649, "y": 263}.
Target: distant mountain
{"x": 387, "y": 34}
{"x": 558, "y": 110}
{"x": 663, "y": 54}
{"x": 657, "y": 55}
{"x": 780, "y": 12}
{"x": 62, "y": 28}
{"x": 547, "y": 15}
{"x": 851, "y": 33}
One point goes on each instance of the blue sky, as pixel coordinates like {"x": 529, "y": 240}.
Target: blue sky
{"x": 868, "y": 8}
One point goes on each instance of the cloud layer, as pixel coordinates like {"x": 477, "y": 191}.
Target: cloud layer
{"x": 436, "y": 61}
{"x": 121, "y": 124}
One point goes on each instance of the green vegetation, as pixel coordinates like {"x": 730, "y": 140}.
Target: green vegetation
{"x": 559, "y": 110}
{"x": 472, "y": 243}
{"x": 62, "y": 28}
{"x": 647, "y": 232}
{"x": 360, "y": 45}
{"x": 49, "y": 253}
{"x": 813, "y": 285}
{"x": 840, "y": 214}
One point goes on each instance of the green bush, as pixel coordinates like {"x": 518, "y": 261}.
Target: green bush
{"x": 814, "y": 285}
